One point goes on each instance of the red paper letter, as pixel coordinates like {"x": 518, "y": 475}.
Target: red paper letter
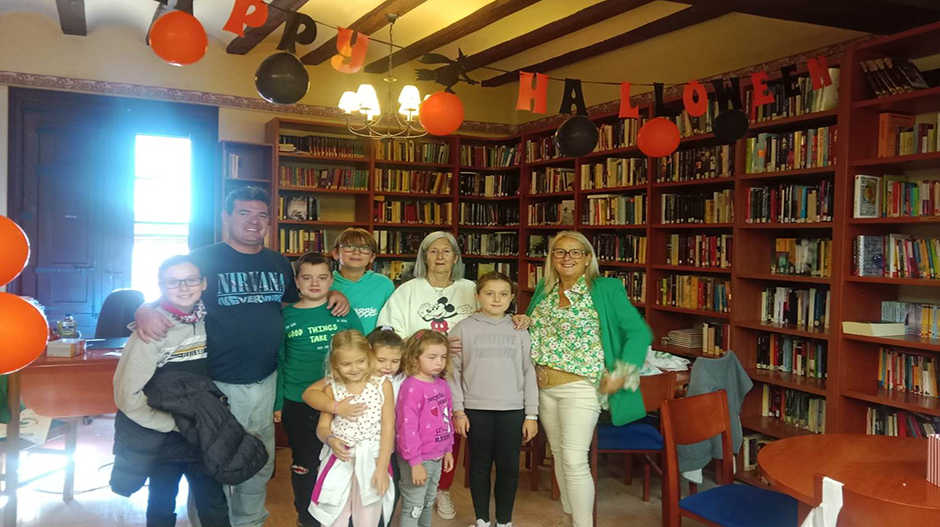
{"x": 240, "y": 16}
{"x": 695, "y": 98}
{"x": 819, "y": 72}
{"x": 534, "y": 97}
{"x": 761, "y": 94}
{"x": 627, "y": 111}
{"x": 351, "y": 56}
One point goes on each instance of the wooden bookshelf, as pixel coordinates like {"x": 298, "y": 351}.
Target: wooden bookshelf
{"x": 243, "y": 164}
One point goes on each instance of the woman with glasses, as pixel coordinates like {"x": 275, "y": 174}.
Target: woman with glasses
{"x": 588, "y": 344}
{"x": 367, "y": 291}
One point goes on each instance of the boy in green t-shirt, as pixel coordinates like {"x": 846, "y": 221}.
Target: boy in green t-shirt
{"x": 367, "y": 291}
{"x": 308, "y": 329}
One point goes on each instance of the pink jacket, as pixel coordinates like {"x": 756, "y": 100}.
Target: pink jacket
{"x": 424, "y": 420}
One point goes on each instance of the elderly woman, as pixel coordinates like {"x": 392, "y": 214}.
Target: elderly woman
{"x": 588, "y": 344}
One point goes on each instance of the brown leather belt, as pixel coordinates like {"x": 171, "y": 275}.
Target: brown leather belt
{"x": 550, "y": 377}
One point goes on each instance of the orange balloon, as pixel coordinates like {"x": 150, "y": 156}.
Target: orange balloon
{"x": 659, "y": 137}
{"x": 23, "y": 333}
{"x": 441, "y": 113}
{"x": 178, "y": 38}
{"x": 15, "y": 253}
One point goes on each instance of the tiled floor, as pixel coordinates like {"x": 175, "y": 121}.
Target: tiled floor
{"x": 96, "y": 505}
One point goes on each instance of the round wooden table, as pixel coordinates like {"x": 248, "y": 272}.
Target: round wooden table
{"x": 888, "y": 468}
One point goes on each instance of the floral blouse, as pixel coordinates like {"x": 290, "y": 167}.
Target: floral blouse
{"x": 568, "y": 338}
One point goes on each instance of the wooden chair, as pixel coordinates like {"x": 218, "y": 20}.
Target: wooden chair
{"x": 859, "y": 510}
{"x": 637, "y": 437}
{"x": 694, "y": 419}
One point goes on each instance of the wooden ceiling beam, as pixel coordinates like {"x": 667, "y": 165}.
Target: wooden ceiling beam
{"x": 254, "y": 35}
{"x": 477, "y": 20}
{"x": 559, "y": 28}
{"x": 72, "y": 17}
{"x": 367, "y": 24}
{"x": 674, "y": 22}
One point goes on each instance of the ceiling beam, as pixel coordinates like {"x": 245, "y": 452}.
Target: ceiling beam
{"x": 559, "y": 28}
{"x": 254, "y": 35}
{"x": 72, "y": 17}
{"x": 475, "y": 21}
{"x": 367, "y": 24}
{"x": 674, "y": 22}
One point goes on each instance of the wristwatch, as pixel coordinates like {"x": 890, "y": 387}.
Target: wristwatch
{"x": 531, "y": 418}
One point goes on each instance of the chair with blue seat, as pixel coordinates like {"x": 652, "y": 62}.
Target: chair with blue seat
{"x": 639, "y": 437}
{"x": 694, "y": 419}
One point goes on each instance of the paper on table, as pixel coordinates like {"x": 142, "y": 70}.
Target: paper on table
{"x": 828, "y": 511}
{"x": 33, "y": 428}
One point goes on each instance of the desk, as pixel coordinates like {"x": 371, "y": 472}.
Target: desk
{"x": 889, "y": 468}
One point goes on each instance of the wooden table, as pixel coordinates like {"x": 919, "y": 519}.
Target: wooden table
{"x": 893, "y": 469}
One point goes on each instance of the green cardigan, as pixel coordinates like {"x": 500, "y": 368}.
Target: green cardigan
{"x": 625, "y": 337}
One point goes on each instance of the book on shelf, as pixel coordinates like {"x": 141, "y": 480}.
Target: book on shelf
{"x": 696, "y": 163}
{"x": 476, "y": 269}
{"x": 796, "y": 355}
{"x": 716, "y": 338}
{"x": 806, "y": 101}
{"x": 896, "y": 256}
{"x": 618, "y": 247}
{"x": 790, "y": 203}
{"x": 413, "y": 151}
{"x": 699, "y": 250}
{"x": 538, "y": 245}
{"x": 475, "y": 184}
{"x": 702, "y": 293}
{"x": 323, "y": 177}
{"x": 867, "y": 203}
{"x": 614, "y": 172}
{"x": 795, "y": 408}
{"x": 320, "y": 145}
{"x": 892, "y": 76}
{"x": 900, "y": 198}
{"x": 714, "y": 207}
{"x": 535, "y": 273}
{"x": 907, "y": 372}
{"x": 804, "y": 307}
{"x": 802, "y": 257}
{"x": 471, "y": 213}
{"x": 873, "y": 329}
{"x": 750, "y": 447}
{"x": 541, "y": 149}
{"x": 688, "y": 338}
{"x": 552, "y": 179}
{"x": 298, "y": 208}
{"x": 489, "y": 243}
{"x": 552, "y": 213}
{"x": 398, "y": 271}
{"x": 500, "y": 156}
{"x": 689, "y": 125}
{"x": 234, "y": 165}
{"x": 297, "y": 240}
{"x": 899, "y": 135}
{"x": 884, "y": 421}
{"x": 398, "y": 242}
{"x": 417, "y": 181}
{"x": 634, "y": 282}
{"x": 387, "y": 210}
{"x": 613, "y": 209}
{"x": 921, "y": 319}
{"x": 621, "y": 134}
{"x": 812, "y": 148}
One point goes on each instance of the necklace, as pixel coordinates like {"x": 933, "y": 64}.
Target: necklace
{"x": 438, "y": 290}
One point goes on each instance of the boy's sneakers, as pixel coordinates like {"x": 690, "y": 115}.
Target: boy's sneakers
{"x": 445, "y": 507}
{"x": 481, "y": 523}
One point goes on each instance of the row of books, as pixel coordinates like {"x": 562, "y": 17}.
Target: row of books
{"x": 896, "y": 256}
{"x": 789, "y": 203}
{"x": 918, "y": 319}
{"x": 713, "y": 339}
{"x": 233, "y": 171}
{"x": 620, "y": 134}
{"x": 402, "y": 211}
{"x": 791, "y": 305}
{"x": 619, "y": 247}
{"x": 552, "y": 179}
{"x": 417, "y": 181}
{"x": 614, "y": 172}
{"x": 500, "y": 156}
{"x": 541, "y": 149}
{"x": 534, "y": 274}
{"x": 633, "y": 281}
{"x": 489, "y": 243}
{"x": 488, "y": 185}
{"x": 806, "y": 101}
{"x": 699, "y": 250}
{"x": 802, "y": 256}
{"x": 298, "y": 240}
{"x": 796, "y": 355}
{"x": 552, "y": 213}
{"x": 795, "y": 408}
{"x": 413, "y": 151}
{"x": 714, "y": 207}
{"x": 895, "y": 197}
{"x": 397, "y": 270}
{"x": 689, "y": 126}
{"x": 905, "y": 372}
{"x": 703, "y": 293}
{"x": 298, "y": 208}
{"x": 613, "y": 209}
{"x": 323, "y": 145}
{"x": 477, "y": 214}
{"x": 697, "y": 163}
{"x": 750, "y": 447}
{"x": 891, "y": 76}
{"x": 475, "y": 269}
{"x": 398, "y": 242}
{"x": 791, "y": 151}
{"x": 883, "y": 421}
{"x": 902, "y": 135}
{"x": 323, "y": 177}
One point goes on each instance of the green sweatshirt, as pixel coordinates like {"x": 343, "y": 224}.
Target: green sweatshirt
{"x": 367, "y": 296}
{"x": 302, "y": 357}
{"x": 625, "y": 336}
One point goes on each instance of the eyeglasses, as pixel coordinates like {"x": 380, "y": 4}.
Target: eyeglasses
{"x": 348, "y": 248}
{"x": 173, "y": 283}
{"x": 575, "y": 254}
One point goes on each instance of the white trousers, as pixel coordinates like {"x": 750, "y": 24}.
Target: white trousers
{"x": 569, "y": 415}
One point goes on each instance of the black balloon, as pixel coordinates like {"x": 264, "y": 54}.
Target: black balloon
{"x": 730, "y": 125}
{"x": 576, "y": 137}
{"x": 282, "y": 79}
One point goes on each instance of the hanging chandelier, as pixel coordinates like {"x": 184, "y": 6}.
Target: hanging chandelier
{"x": 364, "y": 116}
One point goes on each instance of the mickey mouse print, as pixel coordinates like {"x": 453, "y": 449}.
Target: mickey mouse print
{"x": 437, "y": 314}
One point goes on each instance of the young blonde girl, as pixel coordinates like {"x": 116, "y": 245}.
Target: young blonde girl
{"x": 425, "y": 434}
{"x": 353, "y": 480}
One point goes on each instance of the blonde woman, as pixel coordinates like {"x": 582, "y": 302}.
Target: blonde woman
{"x": 588, "y": 344}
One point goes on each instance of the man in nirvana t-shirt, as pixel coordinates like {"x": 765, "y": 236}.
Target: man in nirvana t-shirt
{"x": 247, "y": 284}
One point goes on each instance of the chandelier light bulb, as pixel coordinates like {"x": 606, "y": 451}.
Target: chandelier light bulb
{"x": 349, "y": 102}
{"x": 368, "y": 100}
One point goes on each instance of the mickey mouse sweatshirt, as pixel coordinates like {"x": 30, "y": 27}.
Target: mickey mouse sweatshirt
{"x": 417, "y": 305}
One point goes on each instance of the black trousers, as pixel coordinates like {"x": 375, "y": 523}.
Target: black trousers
{"x": 211, "y": 504}
{"x": 495, "y": 436}
{"x": 300, "y": 423}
